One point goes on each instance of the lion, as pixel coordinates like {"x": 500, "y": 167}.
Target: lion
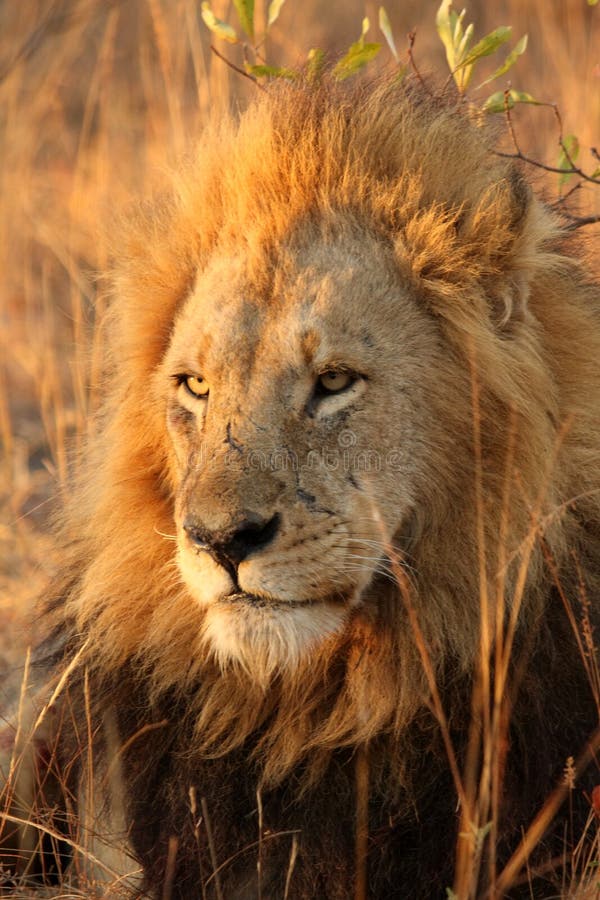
{"x": 337, "y": 524}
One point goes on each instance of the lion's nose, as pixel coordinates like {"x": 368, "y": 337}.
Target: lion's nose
{"x": 231, "y": 546}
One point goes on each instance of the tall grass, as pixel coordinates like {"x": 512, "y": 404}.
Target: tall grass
{"x": 96, "y": 99}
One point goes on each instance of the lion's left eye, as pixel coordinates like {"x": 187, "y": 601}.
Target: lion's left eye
{"x": 333, "y": 382}
{"x": 195, "y": 385}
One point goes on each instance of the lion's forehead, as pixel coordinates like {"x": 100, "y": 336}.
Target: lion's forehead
{"x": 326, "y": 304}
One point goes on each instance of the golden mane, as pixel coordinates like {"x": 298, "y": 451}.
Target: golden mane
{"x": 488, "y": 261}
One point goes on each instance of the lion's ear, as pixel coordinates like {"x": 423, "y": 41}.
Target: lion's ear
{"x": 507, "y": 284}
{"x": 508, "y": 298}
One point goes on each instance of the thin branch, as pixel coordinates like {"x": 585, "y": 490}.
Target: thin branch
{"x": 574, "y": 221}
{"x": 575, "y": 170}
{"x": 518, "y": 154}
{"x": 567, "y": 196}
{"x": 540, "y": 165}
{"x": 237, "y": 68}
{"x": 412, "y": 35}
{"x": 579, "y": 221}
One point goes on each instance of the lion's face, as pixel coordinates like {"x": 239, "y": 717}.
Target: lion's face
{"x": 302, "y": 407}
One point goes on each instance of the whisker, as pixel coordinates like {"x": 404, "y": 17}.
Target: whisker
{"x": 384, "y": 560}
{"x": 167, "y": 537}
{"x": 388, "y": 576}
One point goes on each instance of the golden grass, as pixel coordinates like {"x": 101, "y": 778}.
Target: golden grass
{"x": 96, "y": 98}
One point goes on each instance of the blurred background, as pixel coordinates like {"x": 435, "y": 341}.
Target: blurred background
{"x": 98, "y": 98}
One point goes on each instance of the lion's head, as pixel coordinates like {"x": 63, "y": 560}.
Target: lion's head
{"x": 306, "y": 437}
{"x": 337, "y": 369}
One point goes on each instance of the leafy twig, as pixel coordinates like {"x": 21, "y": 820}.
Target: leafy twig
{"x": 572, "y": 169}
{"x": 237, "y": 69}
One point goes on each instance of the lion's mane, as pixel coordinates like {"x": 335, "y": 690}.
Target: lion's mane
{"x": 491, "y": 265}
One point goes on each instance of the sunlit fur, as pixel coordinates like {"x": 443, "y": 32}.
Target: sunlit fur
{"x": 481, "y": 256}
{"x": 488, "y": 267}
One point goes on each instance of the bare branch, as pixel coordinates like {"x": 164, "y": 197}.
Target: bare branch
{"x": 412, "y": 35}
{"x": 237, "y": 68}
{"x": 580, "y": 221}
{"x": 564, "y": 197}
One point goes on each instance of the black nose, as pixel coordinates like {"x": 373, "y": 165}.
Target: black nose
{"x": 232, "y": 546}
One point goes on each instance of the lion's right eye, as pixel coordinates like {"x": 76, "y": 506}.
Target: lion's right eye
{"x": 334, "y": 382}
{"x": 195, "y": 385}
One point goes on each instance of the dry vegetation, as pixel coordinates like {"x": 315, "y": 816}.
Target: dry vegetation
{"x": 97, "y": 97}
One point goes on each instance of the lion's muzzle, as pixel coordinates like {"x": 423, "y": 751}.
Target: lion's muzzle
{"x": 229, "y": 547}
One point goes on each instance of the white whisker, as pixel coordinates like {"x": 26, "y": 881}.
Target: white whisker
{"x": 167, "y": 537}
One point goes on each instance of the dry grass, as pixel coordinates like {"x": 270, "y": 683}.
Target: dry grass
{"x": 96, "y": 98}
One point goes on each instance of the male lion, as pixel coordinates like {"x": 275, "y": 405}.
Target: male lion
{"x": 338, "y": 524}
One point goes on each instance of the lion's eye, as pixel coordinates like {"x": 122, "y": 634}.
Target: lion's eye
{"x": 334, "y": 382}
{"x": 195, "y": 385}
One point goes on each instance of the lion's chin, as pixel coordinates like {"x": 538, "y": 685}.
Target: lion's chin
{"x": 264, "y": 638}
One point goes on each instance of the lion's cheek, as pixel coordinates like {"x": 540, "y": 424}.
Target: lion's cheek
{"x": 206, "y": 580}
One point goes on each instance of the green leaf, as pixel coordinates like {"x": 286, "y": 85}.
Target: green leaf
{"x": 245, "y": 11}
{"x": 510, "y": 60}
{"x": 274, "y": 10}
{"x": 501, "y": 100}
{"x": 220, "y": 28}
{"x": 462, "y": 74}
{"x": 263, "y": 71}
{"x": 487, "y": 45}
{"x": 569, "y": 152}
{"x": 496, "y": 103}
{"x": 464, "y": 42}
{"x": 442, "y": 21}
{"x": 386, "y": 30}
{"x": 355, "y": 59}
{"x": 596, "y": 174}
{"x": 524, "y": 97}
{"x": 445, "y": 28}
{"x": 357, "y": 56}
{"x": 316, "y": 61}
{"x": 592, "y": 2}
{"x": 456, "y": 41}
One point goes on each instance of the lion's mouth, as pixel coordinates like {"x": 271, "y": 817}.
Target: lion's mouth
{"x": 271, "y": 602}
